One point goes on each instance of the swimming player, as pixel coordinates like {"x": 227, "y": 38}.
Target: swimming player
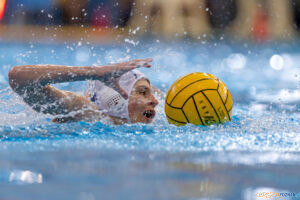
{"x": 117, "y": 91}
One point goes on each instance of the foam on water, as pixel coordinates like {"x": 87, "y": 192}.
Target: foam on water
{"x": 255, "y": 130}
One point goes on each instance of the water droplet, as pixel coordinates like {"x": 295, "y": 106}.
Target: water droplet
{"x": 236, "y": 61}
{"x": 276, "y": 62}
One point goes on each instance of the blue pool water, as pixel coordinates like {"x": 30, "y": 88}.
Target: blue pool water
{"x": 257, "y": 152}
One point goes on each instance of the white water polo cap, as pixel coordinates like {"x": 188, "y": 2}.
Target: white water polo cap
{"x": 110, "y": 101}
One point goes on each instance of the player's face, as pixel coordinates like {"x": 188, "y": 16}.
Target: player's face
{"x": 142, "y": 103}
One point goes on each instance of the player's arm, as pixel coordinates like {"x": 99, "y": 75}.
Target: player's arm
{"x": 32, "y": 83}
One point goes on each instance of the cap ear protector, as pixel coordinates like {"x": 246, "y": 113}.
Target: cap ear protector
{"x": 110, "y": 101}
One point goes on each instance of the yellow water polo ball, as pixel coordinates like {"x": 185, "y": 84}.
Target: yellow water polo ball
{"x": 198, "y": 98}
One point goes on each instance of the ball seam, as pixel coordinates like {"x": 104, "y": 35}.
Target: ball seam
{"x": 224, "y": 105}
{"x": 188, "y": 86}
{"x": 211, "y": 106}
{"x": 197, "y": 110}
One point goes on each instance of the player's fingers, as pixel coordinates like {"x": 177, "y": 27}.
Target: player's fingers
{"x": 139, "y": 61}
{"x": 143, "y": 59}
{"x": 120, "y": 70}
{"x": 142, "y": 64}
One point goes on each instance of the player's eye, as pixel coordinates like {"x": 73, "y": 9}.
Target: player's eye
{"x": 143, "y": 91}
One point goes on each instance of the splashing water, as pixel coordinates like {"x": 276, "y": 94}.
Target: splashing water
{"x": 267, "y": 119}
{"x": 265, "y": 127}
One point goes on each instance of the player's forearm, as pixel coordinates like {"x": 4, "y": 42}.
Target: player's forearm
{"x": 25, "y": 76}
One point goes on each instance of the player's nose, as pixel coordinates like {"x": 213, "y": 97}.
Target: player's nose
{"x": 152, "y": 101}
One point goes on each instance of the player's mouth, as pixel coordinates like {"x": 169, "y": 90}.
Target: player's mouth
{"x": 149, "y": 114}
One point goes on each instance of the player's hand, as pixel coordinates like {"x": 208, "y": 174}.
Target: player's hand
{"x": 113, "y": 73}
